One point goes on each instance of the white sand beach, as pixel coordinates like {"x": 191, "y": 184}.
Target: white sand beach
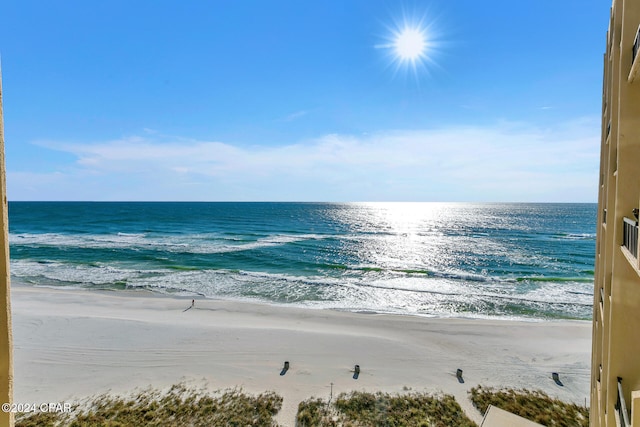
{"x": 72, "y": 344}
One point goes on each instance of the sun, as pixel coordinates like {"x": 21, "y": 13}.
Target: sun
{"x": 410, "y": 44}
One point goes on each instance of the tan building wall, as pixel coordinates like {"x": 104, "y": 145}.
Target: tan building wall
{"x": 6, "y": 340}
{"x": 616, "y": 315}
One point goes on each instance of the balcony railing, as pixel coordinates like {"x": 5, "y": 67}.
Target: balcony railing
{"x": 621, "y": 407}
{"x": 630, "y": 236}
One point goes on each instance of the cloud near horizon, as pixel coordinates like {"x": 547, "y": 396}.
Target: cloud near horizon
{"x": 503, "y": 162}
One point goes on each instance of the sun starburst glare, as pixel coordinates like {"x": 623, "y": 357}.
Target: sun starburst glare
{"x": 411, "y": 44}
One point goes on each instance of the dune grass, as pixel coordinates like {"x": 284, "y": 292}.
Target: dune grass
{"x": 383, "y": 410}
{"x": 179, "y": 406}
{"x": 183, "y": 406}
{"x": 536, "y": 406}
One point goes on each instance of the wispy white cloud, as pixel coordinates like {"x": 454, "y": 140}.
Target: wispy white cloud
{"x": 294, "y": 116}
{"x": 502, "y": 162}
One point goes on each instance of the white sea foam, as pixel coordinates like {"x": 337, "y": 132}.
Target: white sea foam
{"x": 579, "y": 236}
{"x": 421, "y": 295}
{"x": 197, "y": 244}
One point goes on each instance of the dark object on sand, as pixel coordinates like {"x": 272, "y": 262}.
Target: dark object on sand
{"x": 356, "y": 372}
{"x": 556, "y": 378}
{"x": 285, "y": 368}
{"x": 459, "y": 376}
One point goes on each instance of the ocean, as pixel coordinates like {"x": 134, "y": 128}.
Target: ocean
{"x": 510, "y": 261}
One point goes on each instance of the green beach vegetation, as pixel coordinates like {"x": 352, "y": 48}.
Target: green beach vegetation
{"x": 533, "y": 405}
{"x": 383, "y": 409}
{"x": 184, "y": 406}
{"x": 179, "y": 406}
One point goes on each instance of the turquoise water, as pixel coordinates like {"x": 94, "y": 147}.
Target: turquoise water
{"x": 434, "y": 259}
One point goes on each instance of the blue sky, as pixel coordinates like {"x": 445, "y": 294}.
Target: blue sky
{"x": 302, "y": 100}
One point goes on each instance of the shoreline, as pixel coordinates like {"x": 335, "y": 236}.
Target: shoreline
{"x": 150, "y": 293}
{"x": 70, "y": 344}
